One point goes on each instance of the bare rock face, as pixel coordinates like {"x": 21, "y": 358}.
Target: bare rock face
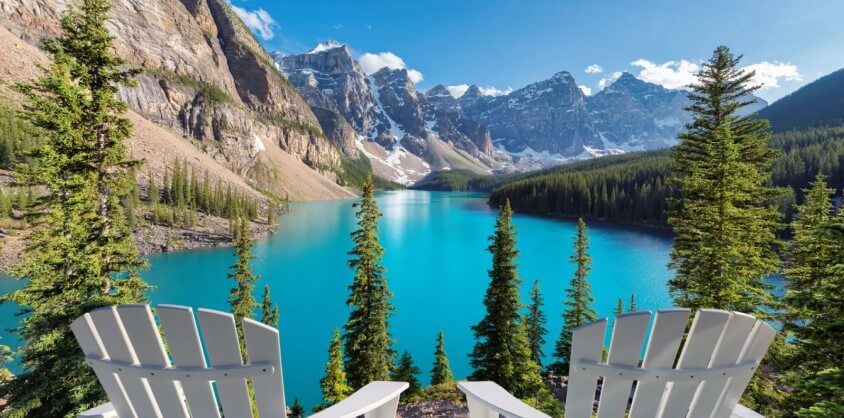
{"x": 339, "y": 130}
{"x": 549, "y": 115}
{"x": 451, "y": 125}
{"x": 206, "y": 77}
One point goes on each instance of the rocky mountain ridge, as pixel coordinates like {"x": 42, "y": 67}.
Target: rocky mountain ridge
{"x": 544, "y": 123}
{"x": 208, "y": 80}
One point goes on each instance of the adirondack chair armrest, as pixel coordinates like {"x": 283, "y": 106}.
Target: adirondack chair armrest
{"x": 377, "y": 399}
{"x": 487, "y": 399}
{"x": 744, "y": 412}
{"x": 105, "y": 410}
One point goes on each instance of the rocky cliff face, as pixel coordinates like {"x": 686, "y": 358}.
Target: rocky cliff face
{"x": 550, "y": 116}
{"x": 635, "y": 115}
{"x": 396, "y": 126}
{"x": 206, "y": 78}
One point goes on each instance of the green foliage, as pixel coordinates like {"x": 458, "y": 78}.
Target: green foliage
{"x": 457, "y": 180}
{"x": 185, "y": 194}
{"x": 441, "y": 372}
{"x": 406, "y": 371}
{"x": 725, "y": 229}
{"x": 333, "y": 384}
{"x": 354, "y": 172}
{"x": 502, "y": 352}
{"x": 578, "y": 304}
{"x": 633, "y": 306}
{"x": 297, "y": 410}
{"x": 628, "y": 187}
{"x": 241, "y": 299}
{"x": 17, "y": 137}
{"x": 303, "y": 127}
{"x": 619, "y": 307}
{"x": 442, "y": 392}
{"x": 818, "y": 395}
{"x": 82, "y": 255}
{"x": 269, "y": 310}
{"x": 535, "y": 324}
{"x": 639, "y": 180}
{"x": 367, "y": 339}
{"x": 208, "y": 92}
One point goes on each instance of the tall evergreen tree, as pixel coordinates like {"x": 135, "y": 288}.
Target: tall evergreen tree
{"x": 333, "y": 384}
{"x": 406, "y": 371}
{"x": 241, "y": 299}
{"x": 82, "y": 255}
{"x": 269, "y": 310}
{"x": 633, "y": 307}
{"x": 535, "y": 324}
{"x": 578, "y": 304}
{"x": 367, "y": 340}
{"x": 502, "y": 352}
{"x": 724, "y": 222}
{"x": 441, "y": 372}
{"x": 814, "y": 296}
{"x": 619, "y": 307}
{"x": 152, "y": 191}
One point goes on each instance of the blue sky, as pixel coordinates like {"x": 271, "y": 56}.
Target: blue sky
{"x": 507, "y": 44}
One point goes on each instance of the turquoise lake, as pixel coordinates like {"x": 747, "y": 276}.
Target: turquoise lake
{"x": 436, "y": 263}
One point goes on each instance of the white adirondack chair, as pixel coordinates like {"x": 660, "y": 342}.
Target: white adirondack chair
{"x": 720, "y": 355}
{"x": 123, "y": 345}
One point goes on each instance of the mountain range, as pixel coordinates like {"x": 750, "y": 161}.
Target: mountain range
{"x": 408, "y": 133}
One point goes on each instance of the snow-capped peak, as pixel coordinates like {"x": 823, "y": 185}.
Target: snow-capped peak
{"x": 325, "y": 46}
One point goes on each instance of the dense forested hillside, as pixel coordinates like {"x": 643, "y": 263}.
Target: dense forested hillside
{"x": 819, "y": 103}
{"x": 631, "y": 187}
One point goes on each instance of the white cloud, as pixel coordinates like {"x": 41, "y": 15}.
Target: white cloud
{"x": 594, "y": 69}
{"x": 259, "y": 21}
{"x": 494, "y": 91}
{"x": 338, "y": 26}
{"x": 606, "y": 81}
{"x": 768, "y": 74}
{"x": 371, "y": 63}
{"x": 670, "y": 74}
{"x": 457, "y": 90}
{"x": 680, "y": 74}
{"x": 586, "y": 90}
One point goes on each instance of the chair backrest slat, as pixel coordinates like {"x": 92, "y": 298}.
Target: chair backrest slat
{"x": 179, "y": 326}
{"x": 113, "y": 336}
{"x": 223, "y": 347}
{"x": 625, "y": 350}
{"x": 149, "y": 349}
{"x": 761, "y": 338}
{"x": 587, "y": 345}
{"x": 263, "y": 345}
{"x": 727, "y": 353}
{"x": 706, "y": 330}
{"x": 89, "y": 340}
{"x": 663, "y": 345}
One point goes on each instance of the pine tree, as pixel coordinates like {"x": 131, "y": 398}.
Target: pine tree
{"x": 814, "y": 296}
{"x": 619, "y": 307}
{"x": 297, "y": 410}
{"x": 725, "y": 226}
{"x": 82, "y": 256}
{"x": 269, "y": 310}
{"x": 241, "y": 299}
{"x": 366, "y": 337}
{"x": 578, "y": 304}
{"x": 502, "y": 352}
{"x": 152, "y": 191}
{"x": 535, "y": 324}
{"x": 441, "y": 372}
{"x": 633, "y": 306}
{"x": 406, "y": 371}
{"x": 333, "y": 384}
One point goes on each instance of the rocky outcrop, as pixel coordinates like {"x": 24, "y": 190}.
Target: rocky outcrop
{"x": 549, "y": 115}
{"x": 207, "y": 78}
